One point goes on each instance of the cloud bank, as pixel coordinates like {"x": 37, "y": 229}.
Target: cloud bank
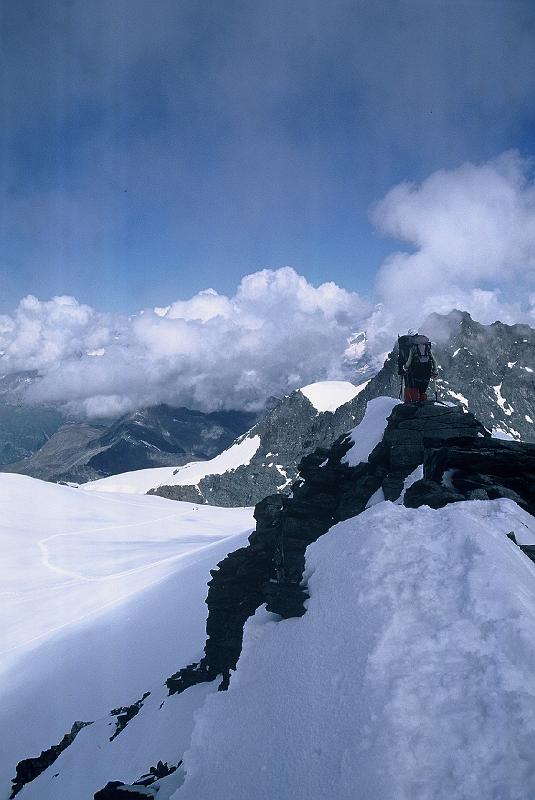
{"x": 473, "y": 234}
{"x": 276, "y": 333}
{"x": 471, "y": 231}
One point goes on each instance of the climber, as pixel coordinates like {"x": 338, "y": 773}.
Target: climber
{"x": 416, "y": 365}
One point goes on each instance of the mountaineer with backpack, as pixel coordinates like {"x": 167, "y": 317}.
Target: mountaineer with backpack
{"x": 416, "y": 365}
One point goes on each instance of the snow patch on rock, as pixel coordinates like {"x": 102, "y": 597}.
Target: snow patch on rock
{"x": 142, "y": 480}
{"x": 502, "y": 402}
{"x": 330, "y": 395}
{"x": 369, "y": 432}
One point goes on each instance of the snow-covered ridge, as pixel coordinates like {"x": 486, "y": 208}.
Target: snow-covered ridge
{"x": 142, "y": 480}
{"x": 383, "y": 622}
{"x": 330, "y": 395}
{"x": 410, "y": 675}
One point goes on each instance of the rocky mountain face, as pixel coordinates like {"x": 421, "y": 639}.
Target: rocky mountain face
{"x": 486, "y": 369}
{"x": 23, "y": 429}
{"x": 292, "y": 428}
{"x": 153, "y": 437}
{"x": 458, "y": 461}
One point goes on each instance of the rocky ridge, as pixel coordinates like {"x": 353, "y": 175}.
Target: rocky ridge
{"x": 486, "y": 369}
{"x": 444, "y": 439}
{"x": 459, "y": 458}
{"x": 270, "y": 569}
{"x": 292, "y": 428}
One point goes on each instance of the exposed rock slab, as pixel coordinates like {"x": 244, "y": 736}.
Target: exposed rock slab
{"x": 475, "y": 469}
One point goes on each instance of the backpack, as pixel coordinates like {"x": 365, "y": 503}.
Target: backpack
{"x": 421, "y": 363}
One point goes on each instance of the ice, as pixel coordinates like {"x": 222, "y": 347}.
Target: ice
{"x": 416, "y": 475}
{"x": 499, "y": 433}
{"x": 458, "y": 396}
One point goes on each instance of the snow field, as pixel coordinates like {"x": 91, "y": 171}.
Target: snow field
{"x": 142, "y": 480}
{"x": 68, "y": 554}
{"x": 102, "y": 599}
{"x": 330, "y": 395}
{"x": 410, "y": 677}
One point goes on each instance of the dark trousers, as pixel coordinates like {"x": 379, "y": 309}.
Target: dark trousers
{"x": 415, "y": 389}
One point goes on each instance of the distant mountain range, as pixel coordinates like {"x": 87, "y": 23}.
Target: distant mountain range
{"x": 23, "y": 429}
{"x": 152, "y": 437}
{"x": 488, "y": 369}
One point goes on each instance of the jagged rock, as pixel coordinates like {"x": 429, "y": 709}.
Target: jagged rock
{"x": 529, "y": 550}
{"x": 31, "y": 768}
{"x": 430, "y": 493}
{"x": 116, "y": 790}
{"x": 477, "y": 469}
{"x": 270, "y": 569}
{"x": 144, "y": 787}
{"x": 187, "y": 494}
{"x": 410, "y": 425}
{"x": 125, "y": 713}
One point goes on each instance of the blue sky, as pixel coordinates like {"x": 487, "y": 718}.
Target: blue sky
{"x": 149, "y": 150}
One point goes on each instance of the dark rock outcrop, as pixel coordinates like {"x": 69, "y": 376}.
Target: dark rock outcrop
{"x": 125, "y": 713}
{"x": 291, "y": 429}
{"x": 117, "y": 790}
{"x": 328, "y": 490}
{"x": 488, "y": 369}
{"x": 480, "y": 469}
{"x": 31, "y": 768}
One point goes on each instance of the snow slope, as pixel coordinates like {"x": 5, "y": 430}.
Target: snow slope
{"x": 369, "y": 432}
{"x": 330, "y": 395}
{"x": 142, "y": 480}
{"x": 102, "y": 599}
{"x": 410, "y": 677}
{"x": 67, "y": 554}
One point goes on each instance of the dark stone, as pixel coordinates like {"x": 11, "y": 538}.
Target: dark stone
{"x": 430, "y": 493}
{"x": 115, "y": 790}
{"x": 31, "y": 768}
{"x": 529, "y": 550}
{"x": 125, "y": 713}
{"x": 484, "y": 467}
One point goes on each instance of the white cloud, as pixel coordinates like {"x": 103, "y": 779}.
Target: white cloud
{"x": 473, "y": 234}
{"x": 472, "y": 230}
{"x": 276, "y": 333}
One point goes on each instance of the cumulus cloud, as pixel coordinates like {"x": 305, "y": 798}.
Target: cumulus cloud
{"x": 471, "y": 233}
{"x": 472, "y": 230}
{"x": 276, "y": 333}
